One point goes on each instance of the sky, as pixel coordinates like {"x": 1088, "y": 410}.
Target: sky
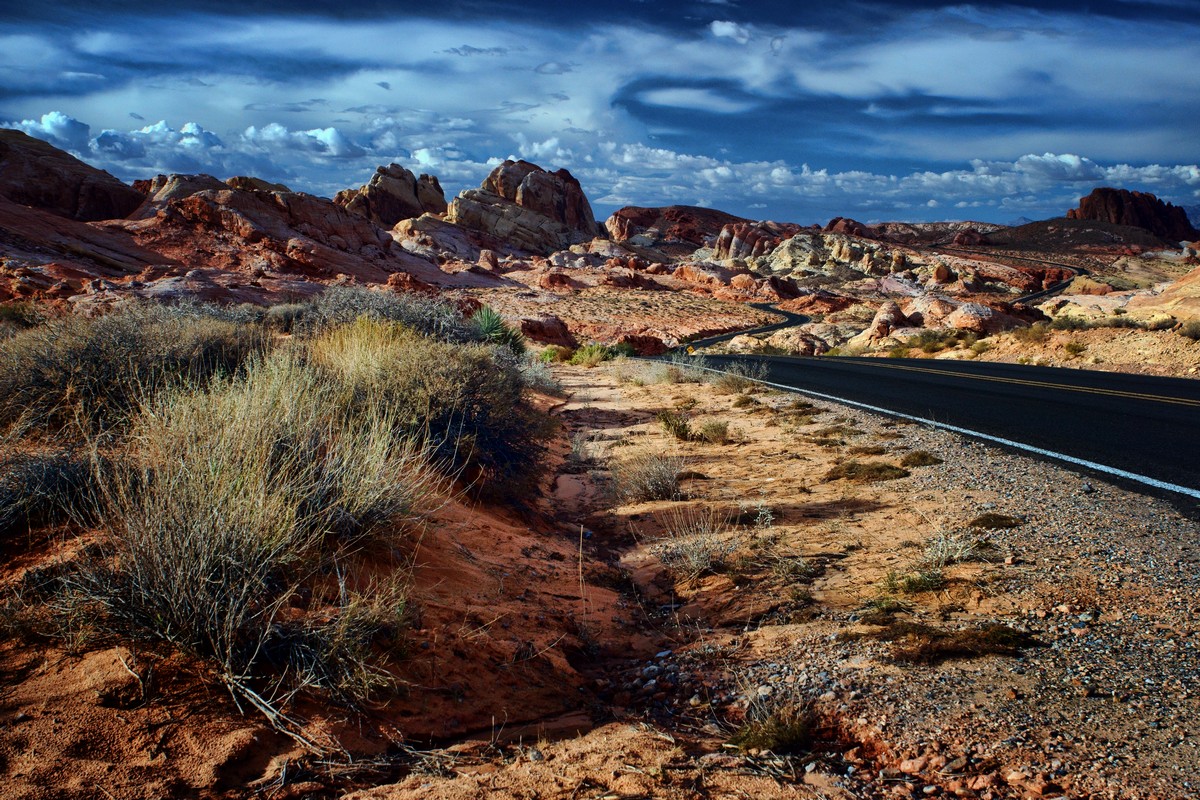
{"x": 917, "y": 110}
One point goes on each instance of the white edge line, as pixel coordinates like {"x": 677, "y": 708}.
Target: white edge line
{"x": 1133, "y": 476}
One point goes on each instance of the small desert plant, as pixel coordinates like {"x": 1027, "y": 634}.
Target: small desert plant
{"x": 555, "y": 354}
{"x": 285, "y": 317}
{"x": 947, "y": 547}
{"x": 914, "y": 581}
{"x": 649, "y": 475}
{"x": 869, "y": 450}
{"x": 590, "y": 355}
{"x": 492, "y": 328}
{"x": 745, "y": 401}
{"x": 866, "y": 471}
{"x": 536, "y": 375}
{"x": 21, "y": 315}
{"x": 1034, "y": 334}
{"x": 713, "y": 432}
{"x": 696, "y": 542}
{"x": 981, "y": 347}
{"x": 778, "y": 719}
{"x": 1074, "y": 347}
{"x": 916, "y": 643}
{"x": 920, "y": 458}
{"x": 676, "y": 424}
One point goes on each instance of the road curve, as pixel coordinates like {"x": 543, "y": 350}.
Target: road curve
{"x": 789, "y": 319}
{"x": 1145, "y": 425}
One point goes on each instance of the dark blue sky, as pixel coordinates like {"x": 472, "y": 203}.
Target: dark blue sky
{"x": 913, "y": 110}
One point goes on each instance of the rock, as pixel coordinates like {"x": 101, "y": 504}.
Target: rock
{"x": 393, "y": 194}
{"x": 942, "y": 273}
{"x": 929, "y": 310}
{"x": 742, "y": 240}
{"x": 968, "y": 237}
{"x": 849, "y": 227}
{"x": 487, "y": 260}
{"x": 981, "y": 319}
{"x": 555, "y": 279}
{"x": 1136, "y": 209}
{"x": 643, "y": 344}
{"x": 680, "y": 229}
{"x": 35, "y": 173}
{"x": 913, "y": 766}
{"x": 532, "y": 209}
{"x": 887, "y": 319}
{"x": 546, "y": 329}
{"x": 247, "y": 184}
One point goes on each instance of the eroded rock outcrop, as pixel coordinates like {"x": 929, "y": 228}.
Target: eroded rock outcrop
{"x": 675, "y": 229}
{"x": 35, "y": 173}
{"x": 531, "y": 209}
{"x": 1138, "y": 210}
{"x": 742, "y": 240}
{"x": 393, "y": 194}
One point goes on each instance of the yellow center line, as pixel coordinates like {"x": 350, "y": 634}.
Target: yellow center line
{"x": 1180, "y": 401}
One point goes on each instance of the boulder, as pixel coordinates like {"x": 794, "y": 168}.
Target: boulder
{"x": 547, "y": 329}
{"x": 929, "y": 310}
{"x": 849, "y": 227}
{"x": 1136, "y": 209}
{"x": 888, "y": 318}
{"x": 643, "y": 344}
{"x": 393, "y": 194}
{"x": 35, "y": 173}
{"x": 247, "y": 184}
{"x": 981, "y": 319}
{"x": 532, "y": 209}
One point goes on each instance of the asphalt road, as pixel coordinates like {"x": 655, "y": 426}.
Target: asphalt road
{"x": 1144, "y": 425}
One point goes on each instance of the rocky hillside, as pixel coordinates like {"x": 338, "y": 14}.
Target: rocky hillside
{"x": 1139, "y": 210}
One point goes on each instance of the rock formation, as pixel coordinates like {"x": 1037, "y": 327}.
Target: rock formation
{"x": 35, "y": 173}
{"x": 394, "y": 194}
{"x": 742, "y": 240}
{"x": 680, "y": 229}
{"x": 532, "y": 209}
{"x": 1138, "y": 210}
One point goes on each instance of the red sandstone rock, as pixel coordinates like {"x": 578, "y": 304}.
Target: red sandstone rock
{"x": 968, "y": 238}
{"x": 35, "y": 173}
{"x": 741, "y": 240}
{"x": 688, "y": 227}
{"x": 555, "y": 280}
{"x": 1136, "y": 209}
{"x": 643, "y": 344}
{"x": 546, "y": 329}
{"x": 849, "y": 227}
{"x": 393, "y": 194}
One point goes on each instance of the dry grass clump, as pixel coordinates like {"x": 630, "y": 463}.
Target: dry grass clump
{"x": 866, "y": 471}
{"x": 1191, "y": 330}
{"x": 713, "y": 432}
{"x": 736, "y": 378}
{"x": 649, "y": 474}
{"x": 994, "y": 521}
{"x": 465, "y": 401}
{"x": 427, "y": 316}
{"x": 239, "y": 495}
{"x": 920, "y": 458}
{"x": 44, "y": 489}
{"x": 696, "y": 542}
{"x": 780, "y": 721}
{"x": 94, "y": 372}
{"x": 916, "y": 643}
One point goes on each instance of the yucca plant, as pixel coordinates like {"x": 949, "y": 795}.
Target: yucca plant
{"x": 493, "y": 329}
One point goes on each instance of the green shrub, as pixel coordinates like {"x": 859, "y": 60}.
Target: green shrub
{"x": 94, "y": 372}
{"x": 676, "y": 424}
{"x": 738, "y": 377}
{"x": 1074, "y": 348}
{"x": 285, "y": 317}
{"x": 492, "y": 328}
{"x": 590, "y": 355}
{"x": 1191, "y": 330}
{"x": 555, "y": 354}
{"x": 1034, "y": 334}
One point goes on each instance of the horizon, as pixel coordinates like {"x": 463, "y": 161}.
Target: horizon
{"x": 922, "y": 111}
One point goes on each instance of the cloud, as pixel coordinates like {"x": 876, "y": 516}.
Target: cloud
{"x": 468, "y": 50}
{"x": 554, "y": 68}
{"x": 699, "y": 99}
{"x": 328, "y": 142}
{"x": 58, "y": 129}
{"x": 730, "y": 30}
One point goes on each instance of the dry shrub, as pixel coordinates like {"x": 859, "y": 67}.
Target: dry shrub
{"x": 737, "y": 378}
{"x": 713, "y": 432}
{"x": 676, "y": 424}
{"x": 44, "y": 489}
{"x": 648, "y": 475}
{"x": 96, "y": 371}
{"x": 916, "y": 643}
{"x": 920, "y": 458}
{"x": 427, "y": 316}
{"x": 466, "y": 401}
{"x": 238, "y": 495}
{"x": 866, "y": 471}
{"x": 696, "y": 542}
{"x": 994, "y": 521}
{"x": 783, "y": 722}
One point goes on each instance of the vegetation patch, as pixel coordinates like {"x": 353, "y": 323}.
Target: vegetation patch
{"x": 993, "y": 521}
{"x": 866, "y": 471}
{"x": 916, "y": 643}
{"x": 648, "y": 475}
{"x": 920, "y": 458}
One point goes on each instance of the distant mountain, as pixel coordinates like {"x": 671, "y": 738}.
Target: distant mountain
{"x": 1019, "y": 221}
{"x": 1193, "y": 213}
